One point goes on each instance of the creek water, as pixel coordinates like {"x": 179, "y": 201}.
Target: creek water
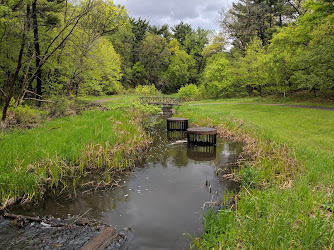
{"x": 164, "y": 197}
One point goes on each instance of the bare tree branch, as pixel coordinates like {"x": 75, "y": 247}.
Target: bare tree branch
{"x": 39, "y": 100}
{"x": 3, "y": 92}
{"x": 23, "y": 90}
{"x": 28, "y": 91}
{"x": 48, "y": 55}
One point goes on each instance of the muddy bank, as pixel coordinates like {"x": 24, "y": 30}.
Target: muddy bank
{"x": 52, "y": 233}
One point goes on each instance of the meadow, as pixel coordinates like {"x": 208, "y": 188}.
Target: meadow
{"x": 286, "y": 200}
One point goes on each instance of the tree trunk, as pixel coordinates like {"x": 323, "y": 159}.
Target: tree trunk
{"x": 13, "y": 80}
{"x": 37, "y": 49}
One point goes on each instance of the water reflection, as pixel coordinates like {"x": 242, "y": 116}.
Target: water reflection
{"x": 163, "y": 197}
{"x": 176, "y": 135}
{"x": 201, "y": 153}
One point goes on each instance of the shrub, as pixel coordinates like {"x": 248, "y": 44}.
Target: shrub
{"x": 59, "y": 105}
{"x": 189, "y": 92}
{"x": 146, "y": 90}
{"x": 145, "y": 108}
{"x": 22, "y": 114}
{"x": 25, "y": 114}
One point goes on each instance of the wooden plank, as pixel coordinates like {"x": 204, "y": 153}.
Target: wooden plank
{"x": 103, "y": 240}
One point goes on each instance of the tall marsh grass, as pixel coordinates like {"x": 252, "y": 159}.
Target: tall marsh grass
{"x": 65, "y": 149}
{"x": 286, "y": 171}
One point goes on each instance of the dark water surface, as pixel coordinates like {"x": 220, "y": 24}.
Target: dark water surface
{"x": 163, "y": 198}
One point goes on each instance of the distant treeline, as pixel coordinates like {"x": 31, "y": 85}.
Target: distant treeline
{"x": 54, "y": 47}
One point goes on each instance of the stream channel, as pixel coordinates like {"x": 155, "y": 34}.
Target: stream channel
{"x": 163, "y": 198}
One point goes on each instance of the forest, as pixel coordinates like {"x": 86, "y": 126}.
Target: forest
{"x": 57, "y": 48}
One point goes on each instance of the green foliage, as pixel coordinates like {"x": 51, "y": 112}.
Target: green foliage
{"x": 180, "y": 71}
{"x": 146, "y": 90}
{"x": 145, "y": 109}
{"x": 315, "y": 62}
{"x": 181, "y": 31}
{"x": 188, "y": 92}
{"x": 139, "y": 74}
{"x": 247, "y": 19}
{"x": 154, "y": 55}
{"x": 25, "y": 114}
{"x": 22, "y": 114}
{"x": 194, "y": 44}
{"x": 104, "y": 74}
{"x": 254, "y": 74}
{"x": 216, "y": 46}
{"x": 275, "y": 57}
{"x": 216, "y": 81}
{"x": 59, "y": 106}
{"x": 160, "y": 31}
{"x": 123, "y": 42}
{"x": 67, "y": 40}
{"x": 302, "y": 52}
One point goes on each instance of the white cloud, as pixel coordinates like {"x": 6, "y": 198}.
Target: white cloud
{"x": 198, "y": 13}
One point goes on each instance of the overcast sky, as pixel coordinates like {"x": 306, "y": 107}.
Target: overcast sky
{"x": 198, "y": 13}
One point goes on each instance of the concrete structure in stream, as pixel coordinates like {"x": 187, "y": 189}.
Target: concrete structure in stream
{"x": 202, "y": 136}
{"x": 177, "y": 124}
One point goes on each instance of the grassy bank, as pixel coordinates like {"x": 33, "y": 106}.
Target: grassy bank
{"x": 65, "y": 149}
{"x": 287, "y": 196}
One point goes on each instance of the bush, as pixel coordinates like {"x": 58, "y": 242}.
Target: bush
{"x": 145, "y": 108}
{"x": 22, "y": 114}
{"x": 59, "y": 105}
{"x": 26, "y": 114}
{"x": 146, "y": 90}
{"x": 189, "y": 92}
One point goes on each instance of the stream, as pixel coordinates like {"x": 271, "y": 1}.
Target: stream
{"x": 160, "y": 202}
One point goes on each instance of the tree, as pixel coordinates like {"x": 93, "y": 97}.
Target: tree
{"x": 217, "y": 45}
{"x": 154, "y": 56}
{"x": 302, "y": 52}
{"x": 216, "y": 81}
{"x": 18, "y": 15}
{"x": 180, "y": 71}
{"x": 139, "y": 74}
{"x": 313, "y": 67}
{"x": 260, "y": 18}
{"x": 181, "y": 31}
{"x": 106, "y": 19}
{"x": 123, "y": 42}
{"x": 253, "y": 67}
{"x": 160, "y": 31}
{"x": 139, "y": 28}
{"x": 194, "y": 44}
{"x": 103, "y": 72}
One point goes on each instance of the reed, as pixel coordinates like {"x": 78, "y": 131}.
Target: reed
{"x": 63, "y": 152}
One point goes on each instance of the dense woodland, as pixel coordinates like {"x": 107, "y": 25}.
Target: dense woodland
{"x": 56, "y": 48}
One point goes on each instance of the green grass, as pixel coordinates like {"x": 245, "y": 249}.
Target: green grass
{"x": 290, "y": 212}
{"x": 269, "y": 100}
{"x": 33, "y": 158}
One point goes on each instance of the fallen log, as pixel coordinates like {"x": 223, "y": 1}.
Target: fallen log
{"x": 21, "y": 217}
{"x": 103, "y": 240}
